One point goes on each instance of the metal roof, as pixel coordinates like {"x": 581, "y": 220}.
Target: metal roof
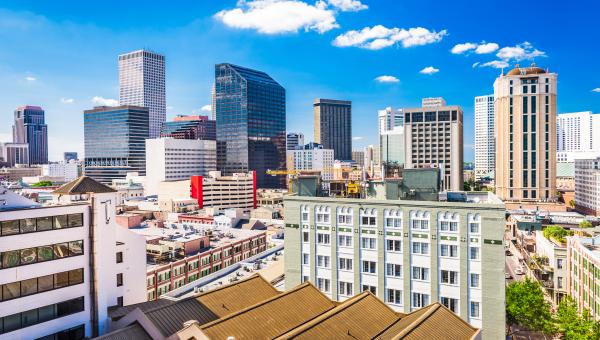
{"x": 132, "y": 332}
{"x": 83, "y": 185}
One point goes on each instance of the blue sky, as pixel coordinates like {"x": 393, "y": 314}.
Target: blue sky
{"x": 62, "y": 55}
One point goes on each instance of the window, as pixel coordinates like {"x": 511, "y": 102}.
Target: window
{"x": 474, "y": 280}
{"x": 344, "y": 240}
{"x": 368, "y": 242}
{"x": 394, "y": 296}
{"x": 448, "y": 226}
{"x": 559, "y": 263}
{"x": 474, "y": 310}
{"x": 21, "y": 257}
{"x": 305, "y": 258}
{"x": 322, "y": 217}
{"x": 420, "y": 273}
{"x": 120, "y": 257}
{"x": 322, "y": 261}
{"x": 450, "y": 303}
{"x": 345, "y": 263}
{"x": 393, "y": 245}
{"x": 323, "y": 238}
{"x": 420, "y": 224}
{"x": 392, "y": 269}
{"x": 34, "y": 316}
{"x": 449, "y": 277}
{"x": 371, "y": 289}
{"x": 305, "y": 237}
{"x": 368, "y": 221}
{"x": 393, "y": 222}
{"x": 473, "y": 253}
{"x": 474, "y": 228}
{"x": 420, "y": 300}
{"x": 369, "y": 267}
{"x": 345, "y": 288}
{"x": 420, "y": 248}
{"x": 345, "y": 219}
{"x": 323, "y": 284}
{"x": 304, "y": 278}
{"x": 119, "y": 279}
{"x": 448, "y": 250}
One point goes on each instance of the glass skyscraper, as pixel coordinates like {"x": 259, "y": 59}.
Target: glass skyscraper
{"x": 30, "y": 128}
{"x": 115, "y": 141}
{"x": 333, "y": 126}
{"x": 250, "y": 113}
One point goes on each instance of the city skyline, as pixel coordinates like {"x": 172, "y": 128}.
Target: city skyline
{"x": 83, "y": 68}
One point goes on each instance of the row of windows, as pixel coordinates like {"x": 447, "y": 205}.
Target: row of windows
{"x": 35, "y": 316}
{"x": 40, "y": 284}
{"x": 22, "y": 257}
{"x": 30, "y": 225}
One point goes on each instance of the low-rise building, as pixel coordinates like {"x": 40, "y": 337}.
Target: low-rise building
{"x": 551, "y": 254}
{"x": 587, "y": 185}
{"x": 17, "y": 172}
{"x": 68, "y": 171}
{"x": 583, "y": 265}
{"x": 63, "y": 265}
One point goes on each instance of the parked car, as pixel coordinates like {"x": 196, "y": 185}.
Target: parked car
{"x": 507, "y": 276}
{"x": 508, "y": 252}
{"x": 519, "y": 271}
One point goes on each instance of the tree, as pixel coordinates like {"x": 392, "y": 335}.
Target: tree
{"x": 585, "y": 224}
{"x": 557, "y": 232}
{"x": 572, "y": 203}
{"x": 526, "y": 307}
{"x": 574, "y": 326}
{"x": 42, "y": 184}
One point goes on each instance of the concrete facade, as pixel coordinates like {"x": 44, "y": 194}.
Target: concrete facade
{"x": 394, "y": 248}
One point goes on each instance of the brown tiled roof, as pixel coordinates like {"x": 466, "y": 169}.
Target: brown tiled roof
{"x": 272, "y": 317}
{"x": 432, "y": 322}
{"x": 360, "y": 317}
{"x": 237, "y": 296}
{"x": 83, "y": 185}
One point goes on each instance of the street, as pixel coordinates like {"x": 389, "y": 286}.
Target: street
{"x": 511, "y": 264}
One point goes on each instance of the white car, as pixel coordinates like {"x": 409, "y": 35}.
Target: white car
{"x": 519, "y": 271}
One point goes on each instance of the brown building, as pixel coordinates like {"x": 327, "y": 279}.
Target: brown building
{"x": 525, "y": 125}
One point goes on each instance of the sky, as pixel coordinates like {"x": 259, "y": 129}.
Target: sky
{"x": 62, "y": 55}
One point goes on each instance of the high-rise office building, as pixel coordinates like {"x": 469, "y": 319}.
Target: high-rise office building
{"x": 115, "y": 141}
{"x": 30, "y": 128}
{"x": 485, "y": 150}
{"x": 525, "y": 125}
{"x": 391, "y": 137}
{"x": 70, "y": 155}
{"x": 190, "y": 127}
{"x": 250, "y": 112}
{"x": 294, "y": 139}
{"x": 333, "y": 126}
{"x": 577, "y": 136}
{"x": 142, "y": 83}
{"x": 433, "y": 137}
{"x": 14, "y": 153}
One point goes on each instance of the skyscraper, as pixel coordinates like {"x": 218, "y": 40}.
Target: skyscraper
{"x": 485, "y": 147}
{"x": 391, "y": 137}
{"x": 434, "y": 138}
{"x": 115, "y": 141}
{"x": 294, "y": 139}
{"x": 250, "y": 112}
{"x": 30, "y": 127}
{"x": 142, "y": 83}
{"x": 333, "y": 126}
{"x": 525, "y": 124}
{"x": 577, "y": 135}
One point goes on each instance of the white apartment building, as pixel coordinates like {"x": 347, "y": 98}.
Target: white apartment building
{"x": 142, "y": 83}
{"x": 169, "y": 159}
{"x": 391, "y": 136}
{"x": 485, "y": 143}
{"x": 576, "y": 135}
{"x": 63, "y": 265}
{"x": 69, "y": 171}
{"x": 312, "y": 157}
{"x": 587, "y": 185}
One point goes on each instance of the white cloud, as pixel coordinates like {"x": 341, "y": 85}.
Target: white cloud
{"x": 101, "y": 101}
{"x": 519, "y": 52}
{"x": 461, "y": 48}
{"x": 67, "y": 100}
{"x": 597, "y": 89}
{"x": 30, "y": 78}
{"x": 206, "y": 108}
{"x": 379, "y": 36}
{"x": 358, "y": 138}
{"x": 279, "y": 16}
{"x": 481, "y": 48}
{"x": 485, "y": 48}
{"x": 387, "y": 79}
{"x": 429, "y": 70}
{"x": 495, "y": 64}
{"x": 475, "y": 64}
{"x": 348, "y": 5}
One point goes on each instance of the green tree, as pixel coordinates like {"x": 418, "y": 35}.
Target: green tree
{"x": 572, "y": 325}
{"x": 42, "y": 184}
{"x": 557, "y": 232}
{"x": 585, "y": 224}
{"x": 526, "y": 307}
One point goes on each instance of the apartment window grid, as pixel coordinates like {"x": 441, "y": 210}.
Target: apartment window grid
{"x": 345, "y": 216}
{"x": 322, "y": 215}
{"x": 393, "y": 218}
{"x": 368, "y": 217}
{"x": 393, "y": 270}
{"x": 368, "y": 243}
{"x": 419, "y": 221}
{"x": 449, "y": 250}
{"x": 394, "y": 296}
{"x": 344, "y": 241}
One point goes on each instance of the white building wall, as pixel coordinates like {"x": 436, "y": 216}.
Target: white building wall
{"x": 576, "y": 135}
{"x": 485, "y": 148}
{"x": 69, "y": 170}
{"x": 312, "y": 160}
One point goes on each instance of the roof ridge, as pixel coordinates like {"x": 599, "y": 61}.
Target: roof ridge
{"x": 410, "y": 327}
{"x": 249, "y": 278}
{"x": 335, "y": 310}
{"x": 260, "y": 303}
